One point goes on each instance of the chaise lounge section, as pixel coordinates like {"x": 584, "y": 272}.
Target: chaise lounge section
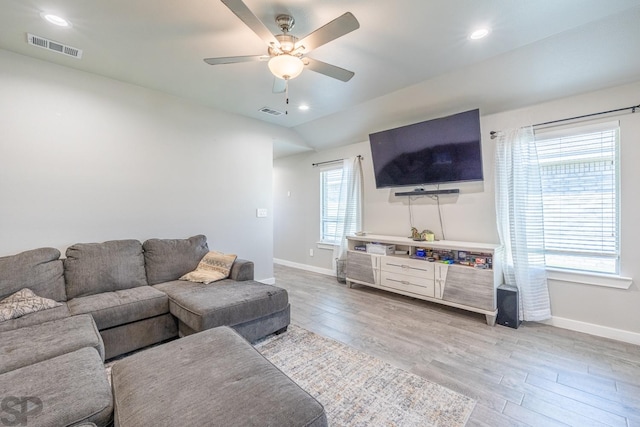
{"x": 253, "y": 309}
{"x": 58, "y": 366}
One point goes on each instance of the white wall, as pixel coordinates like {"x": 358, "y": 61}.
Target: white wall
{"x": 88, "y": 159}
{"x": 471, "y": 215}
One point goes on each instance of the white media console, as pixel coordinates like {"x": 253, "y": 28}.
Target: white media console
{"x": 400, "y": 270}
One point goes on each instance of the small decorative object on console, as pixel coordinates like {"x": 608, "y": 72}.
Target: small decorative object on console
{"x": 427, "y": 235}
{"x": 415, "y": 235}
{"x": 424, "y": 235}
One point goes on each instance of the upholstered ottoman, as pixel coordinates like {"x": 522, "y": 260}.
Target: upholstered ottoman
{"x": 212, "y": 378}
{"x": 66, "y": 390}
{"x": 253, "y": 309}
{"x": 33, "y": 344}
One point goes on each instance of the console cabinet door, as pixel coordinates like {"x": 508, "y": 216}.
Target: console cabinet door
{"x": 470, "y": 286}
{"x": 363, "y": 267}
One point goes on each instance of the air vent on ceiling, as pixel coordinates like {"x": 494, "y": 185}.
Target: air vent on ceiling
{"x": 54, "y": 46}
{"x": 271, "y": 111}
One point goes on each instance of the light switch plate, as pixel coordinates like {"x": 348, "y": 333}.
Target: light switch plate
{"x": 261, "y": 213}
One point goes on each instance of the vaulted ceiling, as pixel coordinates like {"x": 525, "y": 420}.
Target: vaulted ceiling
{"x": 412, "y": 59}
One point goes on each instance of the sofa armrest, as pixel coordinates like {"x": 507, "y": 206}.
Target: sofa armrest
{"x": 242, "y": 270}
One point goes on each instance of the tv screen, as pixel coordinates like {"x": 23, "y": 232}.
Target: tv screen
{"x": 436, "y": 151}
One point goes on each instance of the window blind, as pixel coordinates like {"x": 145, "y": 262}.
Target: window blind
{"x": 579, "y": 170}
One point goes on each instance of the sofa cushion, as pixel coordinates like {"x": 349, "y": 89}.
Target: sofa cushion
{"x": 33, "y": 344}
{"x": 116, "y": 308}
{"x": 214, "y": 378}
{"x": 36, "y": 318}
{"x": 24, "y": 302}
{"x": 228, "y": 302}
{"x": 69, "y": 389}
{"x": 168, "y": 259}
{"x": 92, "y": 268}
{"x": 39, "y": 270}
{"x": 214, "y": 266}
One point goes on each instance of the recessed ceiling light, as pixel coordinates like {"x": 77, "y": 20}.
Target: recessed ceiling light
{"x": 479, "y": 34}
{"x": 303, "y": 107}
{"x": 55, "y": 19}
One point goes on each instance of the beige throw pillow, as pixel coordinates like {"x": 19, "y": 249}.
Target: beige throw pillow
{"x": 212, "y": 267}
{"x": 24, "y": 302}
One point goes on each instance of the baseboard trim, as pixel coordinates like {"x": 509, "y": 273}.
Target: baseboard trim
{"x": 269, "y": 281}
{"x": 593, "y": 329}
{"x": 325, "y": 271}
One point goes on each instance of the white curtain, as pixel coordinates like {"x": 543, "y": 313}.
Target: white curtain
{"x": 349, "y": 206}
{"x": 520, "y": 221}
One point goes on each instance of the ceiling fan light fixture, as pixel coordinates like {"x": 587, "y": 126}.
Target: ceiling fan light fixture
{"x": 285, "y": 66}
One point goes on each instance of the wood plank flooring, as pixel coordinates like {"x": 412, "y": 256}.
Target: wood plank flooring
{"x": 535, "y": 375}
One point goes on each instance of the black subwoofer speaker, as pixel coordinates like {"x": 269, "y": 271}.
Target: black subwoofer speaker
{"x": 508, "y": 307}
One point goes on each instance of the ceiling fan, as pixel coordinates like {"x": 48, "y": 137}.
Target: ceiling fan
{"x": 285, "y": 52}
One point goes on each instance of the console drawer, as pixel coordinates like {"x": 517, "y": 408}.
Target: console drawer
{"x": 403, "y": 282}
{"x": 412, "y": 267}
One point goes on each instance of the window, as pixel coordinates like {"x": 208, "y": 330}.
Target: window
{"x": 330, "y": 183}
{"x": 579, "y": 170}
{"x": 334, "y": 213}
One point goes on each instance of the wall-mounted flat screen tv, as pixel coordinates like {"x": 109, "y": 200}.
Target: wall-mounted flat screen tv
{"x": 435, "y": 151}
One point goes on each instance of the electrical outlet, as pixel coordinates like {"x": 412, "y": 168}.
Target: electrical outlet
{"x": 311, "y": 252}
{"x": 261, "y": 213}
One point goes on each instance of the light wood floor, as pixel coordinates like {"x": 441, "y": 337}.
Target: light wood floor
{"x": 535, "y": 375}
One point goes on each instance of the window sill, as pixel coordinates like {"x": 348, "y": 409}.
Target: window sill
{"x": 595, "y": 279}
{"x": 326, "y": 246}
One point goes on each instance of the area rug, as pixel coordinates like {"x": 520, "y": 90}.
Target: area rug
{"x": 357, "y": 389}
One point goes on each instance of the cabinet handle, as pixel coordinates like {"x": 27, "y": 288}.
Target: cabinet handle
{"x": 404, "y": 282}
{"x": 404, "y": 266}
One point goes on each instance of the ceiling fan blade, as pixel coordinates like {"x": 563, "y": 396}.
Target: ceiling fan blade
{"x": 244, "y": 13}
{"x": 279, "y": 85}
{"x": 235, "y": 59}
{"x": 328, "y": 69}
{"x": 331, "y": 31}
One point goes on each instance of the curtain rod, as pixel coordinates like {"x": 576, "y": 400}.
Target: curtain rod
{"x": 332, "y": 161}
{"x": 494, "y": 134}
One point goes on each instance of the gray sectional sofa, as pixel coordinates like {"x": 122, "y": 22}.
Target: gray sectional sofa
{"x": 116, "y": 297}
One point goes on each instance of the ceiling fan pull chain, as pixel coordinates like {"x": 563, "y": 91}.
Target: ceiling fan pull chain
{"x": 286, "y": 91}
